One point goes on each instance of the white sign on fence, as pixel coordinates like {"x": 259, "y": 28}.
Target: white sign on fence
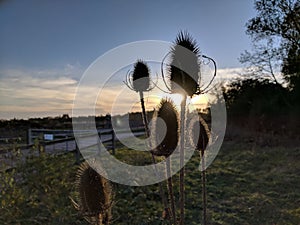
{"x": 48, "y": 137}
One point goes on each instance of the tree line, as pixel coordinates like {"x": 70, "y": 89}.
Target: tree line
{"x": 271, "y": 84}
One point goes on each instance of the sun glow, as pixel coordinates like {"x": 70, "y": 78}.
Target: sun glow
{"x": 176, "y": 98}
{"x": 198, "y": 101}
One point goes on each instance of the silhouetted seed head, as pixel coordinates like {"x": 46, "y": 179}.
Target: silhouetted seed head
{"x": 94, "y": 194}
{"x": 168, "y": 113}
{"x": 200, "y": 134}
{"x": 141, "y": 76}
{"x": 184, "y": 66}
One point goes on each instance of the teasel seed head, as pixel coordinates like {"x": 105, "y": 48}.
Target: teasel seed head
{"x": 166, "y": 139}
{"x": 184, "y": 67}
{"x": 141, "y": 76}
{"x": 199, "y": 134}
{"x": 94, "y": 199}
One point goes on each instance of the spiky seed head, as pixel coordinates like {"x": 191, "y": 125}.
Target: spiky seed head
{"x": 184, "y": 39}
{"x": 200, "y": 134}
{"x": 166, "y": 134}
{"x": 184, "y": 67}
{"x": 94, "y": 194}
{"x": 141, "y": 76}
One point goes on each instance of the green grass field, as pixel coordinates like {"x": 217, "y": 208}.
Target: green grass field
{"x": 247, "y": 184}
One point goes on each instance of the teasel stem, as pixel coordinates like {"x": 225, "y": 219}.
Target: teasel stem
{"x": 170, "y": 190}
{"x": 181, "y": 149}
{"x": 202, "y": 140}
{"x": 145, "y": 120}
{"x": 168, "y": 113}
{"x": 99, "y": 220}
{"x": 184, "y": 76}
{"x": 139, "y": 80}
{"x": 204, "y": 198}
{"x": 144, "y": 115}
{"x": 202, "y": 144}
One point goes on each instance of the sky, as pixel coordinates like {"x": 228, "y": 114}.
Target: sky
{"x": 46, "y": 46}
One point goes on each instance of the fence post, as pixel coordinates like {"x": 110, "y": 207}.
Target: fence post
{"x": 77, "y": 155}
{"x": 113, "y": 138}
{"x": 99, "y": 142}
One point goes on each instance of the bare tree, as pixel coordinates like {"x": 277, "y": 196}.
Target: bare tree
{"x": 274, "y": 32}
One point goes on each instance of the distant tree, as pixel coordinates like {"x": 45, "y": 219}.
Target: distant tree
{"x": 251, "y": 97}
{"x": 291, "y": 69}
{"x": 264, "y": 61}
{"x": 275, "y": 33}
{"x": 65, "y": 117}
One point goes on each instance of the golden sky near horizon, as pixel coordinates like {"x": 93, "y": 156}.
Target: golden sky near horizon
{"x": 26, "y": 95}
{"x": 122, "y": 100}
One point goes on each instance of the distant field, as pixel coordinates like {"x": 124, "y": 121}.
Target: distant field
{"x": 248, "y": 183}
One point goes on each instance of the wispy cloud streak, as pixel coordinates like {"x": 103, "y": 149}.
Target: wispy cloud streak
{"x": 25, "y": 93}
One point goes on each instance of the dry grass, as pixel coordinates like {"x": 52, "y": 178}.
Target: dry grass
{"x": 248, "y": 183}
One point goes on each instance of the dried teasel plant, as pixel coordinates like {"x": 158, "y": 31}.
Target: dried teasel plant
{"x": 166, "y": 135}
{"x": 184, "y": 69}
{"x": 139, "y": 80}
{"x": 141, "y": 77}
{"x": 199, "y": 134}
{"x": 200, "y": 137}
{"x": 183, "y": 74}
{"x": 184, "y": 77}
{"x": 94, "y": 195}
{"x": 166, "y": 128}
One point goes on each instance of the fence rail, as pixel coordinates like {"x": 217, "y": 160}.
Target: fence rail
{"x": 60, "y": 141}
{"x": 46, "y": 137}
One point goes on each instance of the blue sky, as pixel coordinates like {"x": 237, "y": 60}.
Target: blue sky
{"x": 45, "y": 46}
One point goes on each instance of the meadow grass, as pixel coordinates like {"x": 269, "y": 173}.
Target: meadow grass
{"x": 246, "y": 184}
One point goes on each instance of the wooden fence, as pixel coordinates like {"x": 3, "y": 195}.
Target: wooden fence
{"x": 60, "y": 141}
{"x": 46, "y": 137}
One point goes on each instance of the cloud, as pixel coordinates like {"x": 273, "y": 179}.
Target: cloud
{"x": 36, "y": 91}
{"x": 230, "y": 73}
{"x": 74, "y": 71}
{"x": 25, "y": 93}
